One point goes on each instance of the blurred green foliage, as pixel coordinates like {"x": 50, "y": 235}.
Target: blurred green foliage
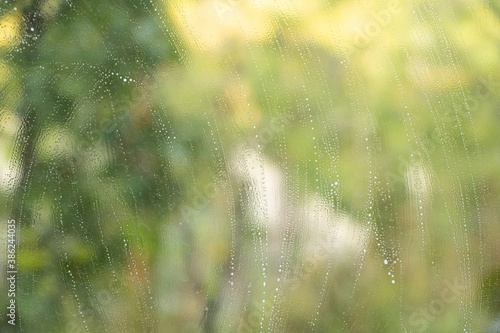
{"x": 127, "y": 124}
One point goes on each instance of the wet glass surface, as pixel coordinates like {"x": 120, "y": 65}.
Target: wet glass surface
{"x": 249, "y": 166}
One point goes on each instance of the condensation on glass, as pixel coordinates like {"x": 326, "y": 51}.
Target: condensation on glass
{"x": 249, "y": 166}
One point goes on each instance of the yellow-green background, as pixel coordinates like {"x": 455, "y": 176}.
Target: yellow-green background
{"x": 168, "y": 163}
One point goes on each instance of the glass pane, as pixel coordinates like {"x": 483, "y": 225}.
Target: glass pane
{"x": 249, "y": 166}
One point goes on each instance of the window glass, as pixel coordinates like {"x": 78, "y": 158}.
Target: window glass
{"x": 249, "y": 166}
